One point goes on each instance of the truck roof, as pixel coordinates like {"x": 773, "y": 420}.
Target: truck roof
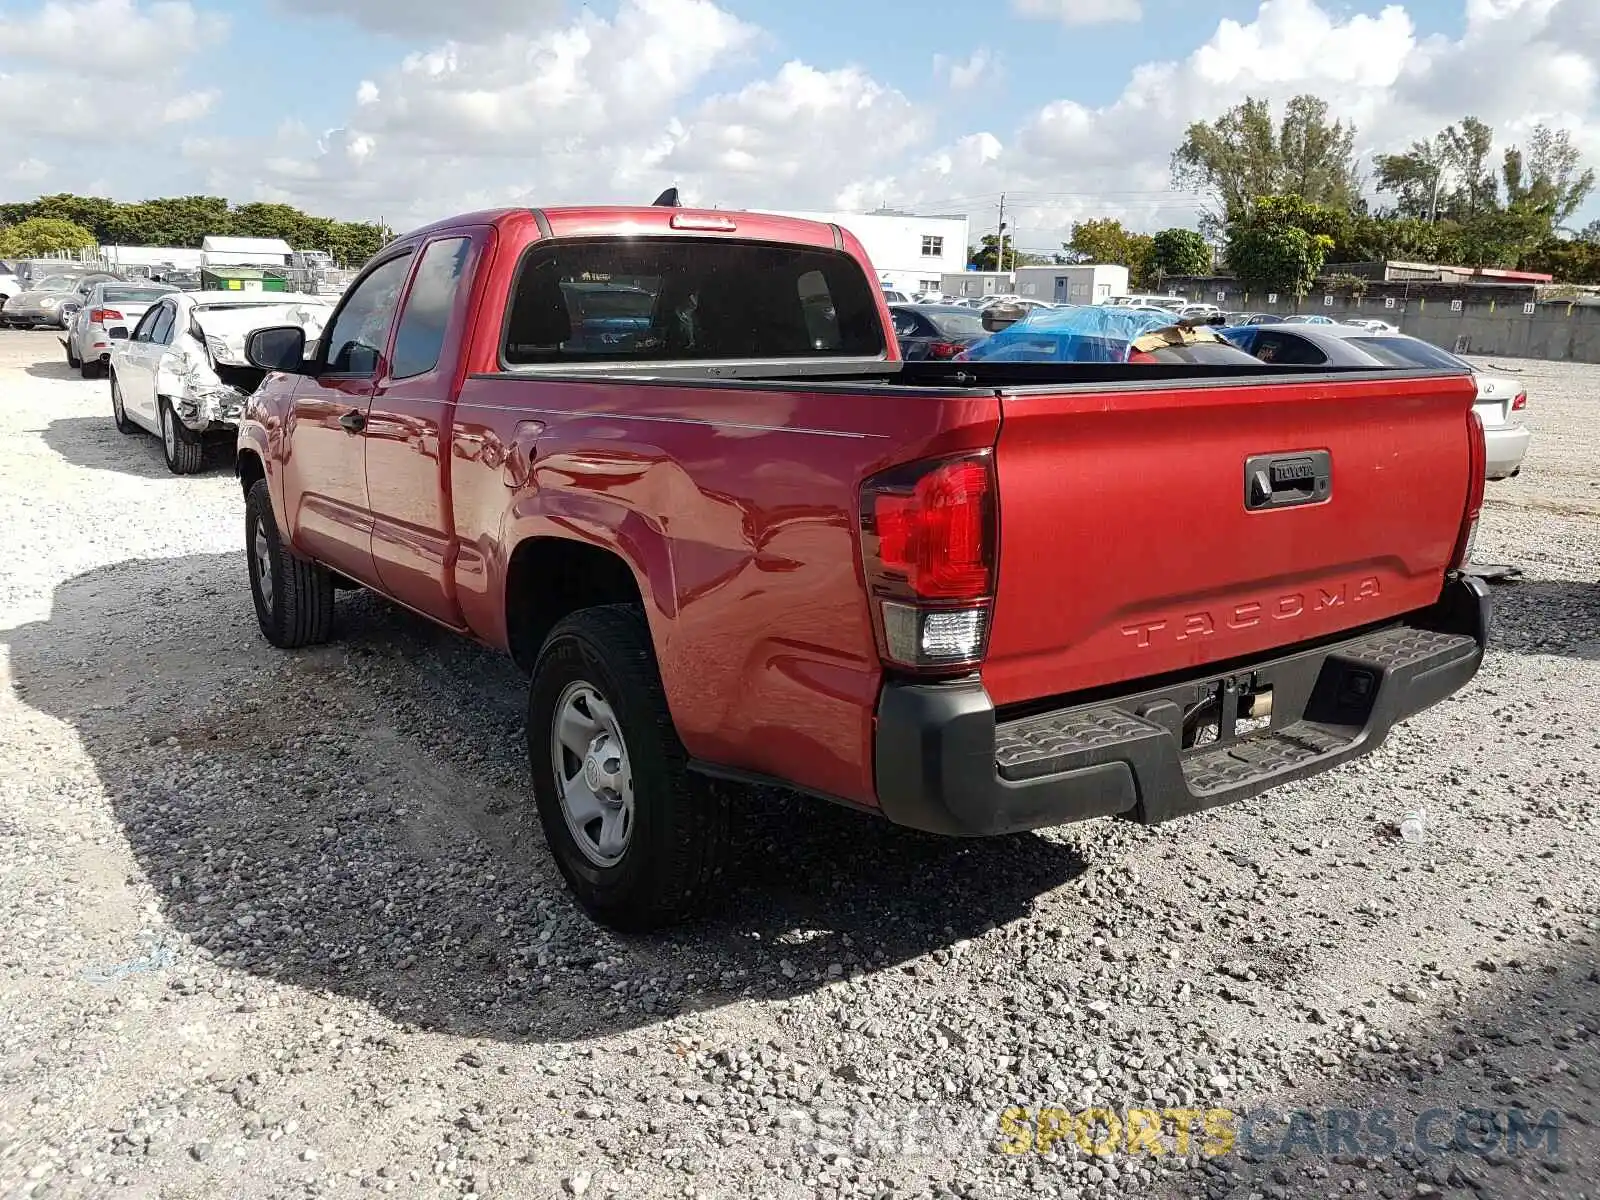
{"x": 600, "y": 220}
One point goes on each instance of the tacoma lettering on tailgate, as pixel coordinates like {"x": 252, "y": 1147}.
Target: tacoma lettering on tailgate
{"x": 1252, "y": 612}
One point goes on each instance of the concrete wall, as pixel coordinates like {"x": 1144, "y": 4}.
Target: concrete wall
{"x": 1470, "y": 320}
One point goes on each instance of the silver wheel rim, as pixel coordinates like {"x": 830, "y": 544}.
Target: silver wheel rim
{"x": 261, "y": 552}
{"x": 169, "y": 436}
{"x": 594, "y": 778}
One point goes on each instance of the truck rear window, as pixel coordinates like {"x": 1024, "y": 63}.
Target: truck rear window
{"x": 676, "y": 299}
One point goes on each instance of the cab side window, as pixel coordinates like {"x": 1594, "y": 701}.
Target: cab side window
{"x": 356, "y": 339}
{"x": 420, "y": 337}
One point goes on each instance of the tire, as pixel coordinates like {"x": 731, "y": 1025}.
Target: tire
{"x": 91, "y": 369}
{"x": 119, "y": 414}
{"x": 73, "y": 361}
{"x": 675, "y": 846}
{"x": 295, "y": 608}
{"x": 185, "y": 452}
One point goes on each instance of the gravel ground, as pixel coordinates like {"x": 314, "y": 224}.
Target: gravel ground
{"x": 282, "y": 925}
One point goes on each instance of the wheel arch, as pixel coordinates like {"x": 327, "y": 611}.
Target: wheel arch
{"x": 548, "y": 578}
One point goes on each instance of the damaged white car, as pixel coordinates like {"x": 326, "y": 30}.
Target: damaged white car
{"x": 183, "y": 375}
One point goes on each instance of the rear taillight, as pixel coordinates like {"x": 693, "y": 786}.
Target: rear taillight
{"x": 99, "y": 316}
{"x": 1519, "y": 402}
{"x": 929, "y": 534}
{"x": 943, "y": 349}
{"x": 1478, "y": 466}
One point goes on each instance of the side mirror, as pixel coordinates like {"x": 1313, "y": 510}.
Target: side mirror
{"x": 277, "y": 348}
{"x": 117, "y": 332}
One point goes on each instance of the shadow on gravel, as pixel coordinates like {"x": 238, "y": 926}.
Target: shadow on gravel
{"x": 356, "y": 819}
{"x": 1547, "y": 616}
{"x": 57, "y": 369}
{"x": 1514, "y": 1035}
{"x": 96, "y": 443}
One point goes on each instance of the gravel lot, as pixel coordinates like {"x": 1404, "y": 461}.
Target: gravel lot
{"x": 281, "y": 925}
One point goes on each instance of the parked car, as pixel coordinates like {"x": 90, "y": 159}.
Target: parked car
{"x": 182, "y": 374}
{"x": 1308, "y": 319}
{"x": 1147, "y": 300}
{"x": 935, "y": 330}
{"x": 1254, "y": 319}
{"x": 891, "y": 296}
{"x": 52, "y": 301}
{"x": 1499, "y": 397}
{"x": 1372, "y": 325}
{"x": 940, "y": 591}
{"x": 109, "y": 310}
{"x": 10, "y": 285}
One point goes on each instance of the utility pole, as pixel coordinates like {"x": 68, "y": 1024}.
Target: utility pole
{"x": 1000, "y": 237}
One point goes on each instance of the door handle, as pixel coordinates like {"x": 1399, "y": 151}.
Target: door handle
{"x": 354, "y": 421}
{"x": 1286, "y": 480}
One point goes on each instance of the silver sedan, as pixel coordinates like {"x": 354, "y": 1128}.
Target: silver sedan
{"x": 109, "y": 311}
{"x": 51, "y": 301}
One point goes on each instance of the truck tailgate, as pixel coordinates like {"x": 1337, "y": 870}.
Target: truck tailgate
{"x": 1158, "y": 529}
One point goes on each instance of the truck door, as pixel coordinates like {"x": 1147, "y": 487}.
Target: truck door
{"x": 324, "y": 467}
{"x": 407, "y": 436}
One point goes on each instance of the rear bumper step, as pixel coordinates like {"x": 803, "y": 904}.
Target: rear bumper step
{"x": 945, "y": 764}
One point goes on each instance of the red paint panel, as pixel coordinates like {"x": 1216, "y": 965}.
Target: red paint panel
{"x": 1126, "y": 550}
{"x": 737, "y": 509}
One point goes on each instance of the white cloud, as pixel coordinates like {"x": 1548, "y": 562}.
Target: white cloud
{"x": 190, "y": 106}
{"x": 100, "y": 38}
{"x": 414, "y": 17}
{"x": 1079, "y": 12}
{"x": 612, "y": 109}
{"x": 74, "y": 70}
{"x": 964, "y": 74}
{"x": 28, "y": 171}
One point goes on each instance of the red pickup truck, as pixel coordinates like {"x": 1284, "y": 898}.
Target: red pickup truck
{"x": 670, "y": 460}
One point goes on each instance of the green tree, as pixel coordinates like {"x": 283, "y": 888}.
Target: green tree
{"x": 1242, "y": 155}
{"x": 1548, "y": 177}
{"x": 983, "y": 255}
{"x": 44, "y": 235}
{"x": 1276, "y": 258}
{"x": 1179, "y": 252}
{"x": 1105, "y": 241}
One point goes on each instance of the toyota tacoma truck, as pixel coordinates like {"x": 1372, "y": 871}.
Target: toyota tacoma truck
{"x": 669, "y": 459}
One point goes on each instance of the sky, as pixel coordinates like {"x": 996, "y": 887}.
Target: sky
{"x": 411, "y": 110}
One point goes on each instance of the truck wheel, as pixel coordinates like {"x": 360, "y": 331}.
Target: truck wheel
{"x": 184, "y": 450}
{"x": 639, "y": 839}
{"x": 294, "y": 597}
{"x": 73, "y": 361}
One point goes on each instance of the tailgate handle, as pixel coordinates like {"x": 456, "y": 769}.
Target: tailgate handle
{"x": 1287, "y": 480}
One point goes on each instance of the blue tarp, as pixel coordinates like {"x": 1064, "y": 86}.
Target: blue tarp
{"x": 1092, "y": 333}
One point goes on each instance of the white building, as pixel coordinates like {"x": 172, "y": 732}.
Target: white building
{"x": 978, "y": 283}
{"x": 910, "y": 253}
{"x": 1084, "y": 283}
{"x": 124, "y": 258}
{"x": 245, "y": 252}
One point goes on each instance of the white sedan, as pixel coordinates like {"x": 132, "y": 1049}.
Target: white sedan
{"x": 182, "y": 374}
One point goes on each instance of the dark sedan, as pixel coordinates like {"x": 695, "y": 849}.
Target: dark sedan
{"x": 936, "y": 330}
